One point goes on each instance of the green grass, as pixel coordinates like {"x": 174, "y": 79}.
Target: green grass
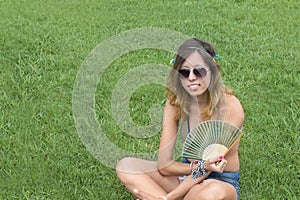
{"x": 43, "y": 45}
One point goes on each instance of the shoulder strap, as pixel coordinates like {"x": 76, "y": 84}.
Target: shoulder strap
{"x": 188, "y": 125}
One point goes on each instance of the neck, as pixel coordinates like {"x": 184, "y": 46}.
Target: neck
{"x": 199, "y": 103}
{"x": 202, "y": 100}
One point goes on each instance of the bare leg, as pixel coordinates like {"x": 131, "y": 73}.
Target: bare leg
{"x": 144, "y": 175}
{"x": 146, "y": 196}
{"x": 212, "y": 189}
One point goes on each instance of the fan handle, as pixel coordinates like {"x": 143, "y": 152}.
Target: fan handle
{"x": 226, "y": 152}
{"x": 236, "y": 140}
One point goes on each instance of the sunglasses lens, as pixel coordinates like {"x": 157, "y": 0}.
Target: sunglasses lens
{"x": 200, "y": 72}
{"x": 184, "y": 72}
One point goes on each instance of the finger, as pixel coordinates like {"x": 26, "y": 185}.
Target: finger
{"x": 215, "y": 159}
{"x": 221, "y": 165}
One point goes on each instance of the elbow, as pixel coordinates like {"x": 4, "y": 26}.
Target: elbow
{"x": 164, "y": 171}
{"x": 165, "y": 166}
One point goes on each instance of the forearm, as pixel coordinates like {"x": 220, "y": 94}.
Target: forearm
{"x": 174, "y": 169}
{"x": 184, "y": 187}
{"x": 197, "y": 175}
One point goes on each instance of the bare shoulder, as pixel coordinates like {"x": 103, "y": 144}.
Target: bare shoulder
{"x": 170, "y": 112}
{"x": 235, "y": 112}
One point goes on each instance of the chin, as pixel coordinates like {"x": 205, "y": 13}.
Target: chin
{"x": 197, "y": 93}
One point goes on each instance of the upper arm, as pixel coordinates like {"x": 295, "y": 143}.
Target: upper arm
{"x": 168, "y": 136}
{"x": 235, "y": 112}
{"x": 235, "y": 115}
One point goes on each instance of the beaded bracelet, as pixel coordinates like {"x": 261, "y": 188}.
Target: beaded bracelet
{"x": 192, "y": 164}
{"x": 200, "y": 171}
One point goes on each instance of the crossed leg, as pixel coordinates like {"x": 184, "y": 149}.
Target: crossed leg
{"x": 212, "y": 189}
{"x": 144, "y": 175}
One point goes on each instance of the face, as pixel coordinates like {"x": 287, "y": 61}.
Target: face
{"x": 197, "y": 80}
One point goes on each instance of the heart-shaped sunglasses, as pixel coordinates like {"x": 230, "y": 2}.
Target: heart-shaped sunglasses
{"x": 200, "y": 72}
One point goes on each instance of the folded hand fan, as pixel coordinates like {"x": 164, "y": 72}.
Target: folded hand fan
{"x": 210, "y": 139}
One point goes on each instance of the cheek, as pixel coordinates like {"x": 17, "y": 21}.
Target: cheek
{"x": 184, "y": 84}
{"x": 206, "y": 81}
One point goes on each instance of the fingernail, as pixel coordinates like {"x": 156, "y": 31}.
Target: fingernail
{"x": 221, "y": 157}
{"x": 135, "y": 190}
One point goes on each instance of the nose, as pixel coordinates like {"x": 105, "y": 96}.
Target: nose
{"x": 192, "y": 76}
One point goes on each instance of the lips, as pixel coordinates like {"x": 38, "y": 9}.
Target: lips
{"x": 194, "y": 86}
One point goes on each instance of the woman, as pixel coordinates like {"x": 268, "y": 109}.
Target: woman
{"x": 195, "y": 93}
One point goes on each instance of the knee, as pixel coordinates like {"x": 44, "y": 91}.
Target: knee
{"x": 206, "y": 193}
{"x": 122, "y": 169}
{"x": 213, "y": 193}
{"x": 129, "y": 166}
{"x": 121, "y": 164}
{"x": 124, "y": 165}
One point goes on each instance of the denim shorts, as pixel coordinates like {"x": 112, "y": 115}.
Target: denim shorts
{"x": 228, "y": 177}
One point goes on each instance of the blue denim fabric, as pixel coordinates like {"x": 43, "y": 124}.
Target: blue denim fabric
{"x": 228, "y": 177}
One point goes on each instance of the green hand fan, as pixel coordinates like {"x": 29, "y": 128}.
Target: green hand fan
{"x": 210, "y": 139}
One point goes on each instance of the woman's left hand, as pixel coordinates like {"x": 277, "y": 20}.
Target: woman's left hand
{"x": 216, "y": 164}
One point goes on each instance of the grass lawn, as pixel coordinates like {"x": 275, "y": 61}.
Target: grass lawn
{"x": 44, "y": 44}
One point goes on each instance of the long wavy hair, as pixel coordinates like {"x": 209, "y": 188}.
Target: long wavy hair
{"x": 217, "y": 91}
